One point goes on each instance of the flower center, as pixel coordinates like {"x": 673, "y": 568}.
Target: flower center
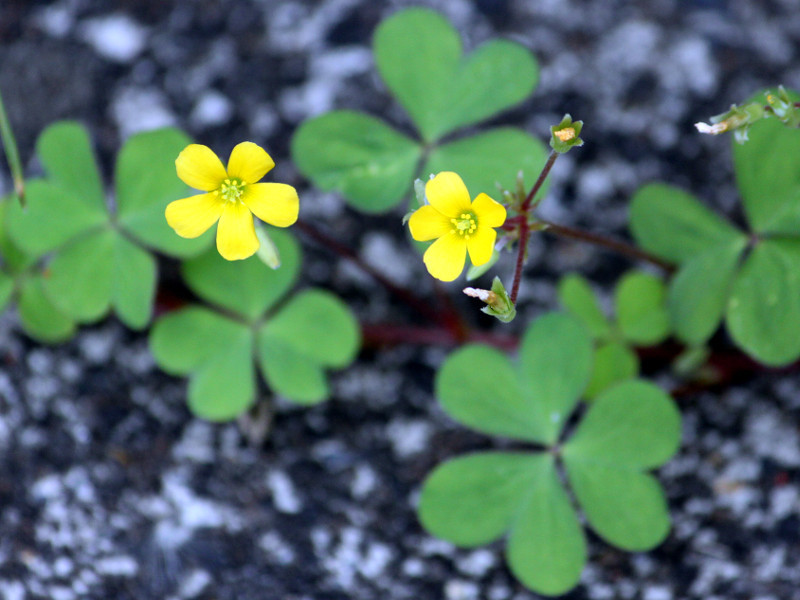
{"x": 465, "y": 225}
{"x": 232, "y": 189}
{"x": 566, "y": 134}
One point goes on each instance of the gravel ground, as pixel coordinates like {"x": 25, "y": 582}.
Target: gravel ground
{"x": 108, "y": 487}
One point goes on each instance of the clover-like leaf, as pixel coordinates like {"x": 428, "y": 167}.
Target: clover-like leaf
{"x": 473, "y": 500}
{"x": 215, "y": 351}
{"x": 489, "y": 158}
{"x": 146, "y": 181}
{"x": 640, "y": 306}
{"x": 764, "y": 308}
{"x": 246, "y": 287}
{"x": 699, "y": 292}
{"x": 630, "y": 428}
{"x": 370, "y": 163}
{"x": 479, "y": 387}
{"x": 577, "y": 296}
{"x": 418, "y": 54}
{"x": 613, "y": 362}
{"x": 51, "y": 218}
{"x": 313, "y": 331}
{"x": 39, "y": 318}
{"x": 555, "y": 363}
{"x": 768, "y": 177}
{"x": 66, "y": 153}
{"x": 674, "y": 225}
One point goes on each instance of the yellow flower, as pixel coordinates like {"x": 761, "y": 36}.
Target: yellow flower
{"x": 231, "y": 196}
{"x": 461, "y": 226}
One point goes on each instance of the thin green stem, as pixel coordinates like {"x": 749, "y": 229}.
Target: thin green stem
{"x": 536, "y": 186}
{"x": 12, "y": 154}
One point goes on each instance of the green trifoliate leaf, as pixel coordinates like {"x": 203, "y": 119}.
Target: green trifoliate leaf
{"x": 555, "y": 362}
{"x": 473, "y": 500}
{"x": 674, "y": 225}
{"x": 640, "y": 305}
{"x": 317, "y": 325}
{"x": 53, "y": 217}
{"x": 222, "y": 388}
{"x": 134, "y": 283}
{"x": 768, "y": 177}
{"x": 488, "y": 158}
{"x": 419, "y": 56}
{"x": 764, "y": 309}
{"x": 613, "y": 362}
{"x": 565, "y": 135}
{"x": 370, "y": 163}
{"x": 80, "y": 278}
{"x": 478, "y": 387}
{"x": 145, "y": 182}
{"x": 40, "y": 319}
{"x": 246, "y": 287}
{"x": 632, "y": 427}
{"x": 576, "y": 295}
{"x": 699, "y": 292}
{"x": 66, "y": 154}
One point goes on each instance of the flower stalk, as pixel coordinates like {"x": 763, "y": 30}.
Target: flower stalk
{"x": 12, "y": 154}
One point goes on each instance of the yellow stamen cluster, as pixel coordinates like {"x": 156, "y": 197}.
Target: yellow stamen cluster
{"x": 565, "y": 134}
{"x": 465, "y": 224}
{"x": 231, "y": 189}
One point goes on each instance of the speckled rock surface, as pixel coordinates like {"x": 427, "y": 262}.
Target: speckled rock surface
{"x": 108, "y": 487}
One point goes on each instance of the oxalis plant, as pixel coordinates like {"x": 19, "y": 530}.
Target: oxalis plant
{"x": 576, "y": 427}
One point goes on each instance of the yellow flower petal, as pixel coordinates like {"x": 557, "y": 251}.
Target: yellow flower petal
{"x": 447, "y": 193}
{"x": 273, "y": 203}
{"x": 249, "y": 162}
{"x": 445, "y": 257}
{"x": 489, "y": 212}
{"x": 236, "y": 235}
{"x": 481, "y": 245}
{"x": 428, "y": 223}
{"x": 191, "y": 217}
{"x": 200, "y": 168}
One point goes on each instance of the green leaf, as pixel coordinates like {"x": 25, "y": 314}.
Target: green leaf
{"x": 473, "y": 500}
{"x": 478, "y": 387}
{"x": 764, "y": 309}
{"x": 489, "y": 158}
{"x": 640, "y": 305}
{"x": 223, "y": 386}
{"x": 289, "y": 373}
{"x": 134, "y": 283}
{"x": 613, "y": 362}
{"x": 146, "y": 181}
{"x": 6, "y": 289}
{"x": 182, "y": 340}
{"x": 625, "y": 507}
{"x": 555, "y": 363}
{"x": 576, "y": 295}
{"x": 40, "y": 319}
{"x": 418, "y": 54}
{"x": 313, "y": 331}
{"x": 631, "y": 427}
{"x": 66, "y": 153}
{"x": 674, "y": 225}
{"x": 247, "y": 287}
{"x": 768, "y": 177}
{"x": 547, "y": 547}
{"x": 79, "y": 280}
{"x": 361, "y": 157}
{"x": 699, "y": 292}
{"x": 318, "y": 326}
{"x": 53, "y": 217}
{"x": 634, "y": 425}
